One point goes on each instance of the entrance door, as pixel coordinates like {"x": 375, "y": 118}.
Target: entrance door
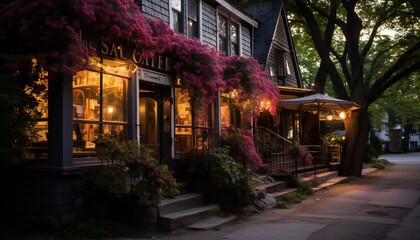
{"x": 154, "y": 130}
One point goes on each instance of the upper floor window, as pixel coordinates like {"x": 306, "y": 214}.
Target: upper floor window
{"x": 192, "y": 28}
{"x": 282, "y": 64}
{"x": 177, "y": 16}
{"x": 228, "y": 33}
{"x": 223, "y": 43}
{"x": 234, "y": 39}
{"x": 190, "y": 14}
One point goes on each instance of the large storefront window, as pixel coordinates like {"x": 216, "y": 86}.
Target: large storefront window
{"x": 192, "y": 132}
{"x": 38, "y": 146}
{"x": 99, "y": 103}
{"x": 183, "y": 122}
{"x": 229, "y": 114}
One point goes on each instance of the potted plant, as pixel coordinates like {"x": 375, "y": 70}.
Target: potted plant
{"x": 103, "y": 144}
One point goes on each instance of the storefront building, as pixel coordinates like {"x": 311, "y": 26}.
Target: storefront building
{"x": 136, "y": 98}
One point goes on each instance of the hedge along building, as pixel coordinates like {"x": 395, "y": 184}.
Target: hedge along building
{"x": 111, "y": 70}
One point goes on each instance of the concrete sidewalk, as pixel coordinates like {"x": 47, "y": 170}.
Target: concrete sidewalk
{"x": 384, "y": 205}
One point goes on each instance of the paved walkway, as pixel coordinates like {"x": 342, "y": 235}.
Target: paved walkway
{"x": 380, "y": 205}
{"x": 383, "y": 204}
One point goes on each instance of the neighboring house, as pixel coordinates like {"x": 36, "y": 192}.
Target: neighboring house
{"x": 275, "y": 51}
{"x": 147, "y": 103}
{"x": 393, "y": 138}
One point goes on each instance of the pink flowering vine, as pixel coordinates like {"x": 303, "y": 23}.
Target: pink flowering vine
{"x": 49, "y": 31}
{"x": 199, "y": 68}
{"x": 242, "y": 148}
{"x": 246, "y": 77}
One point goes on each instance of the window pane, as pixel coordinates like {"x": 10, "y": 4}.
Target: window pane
{"x": 182, "y": 108}
{"x": 225, "y": 113}
{"x": 176, "y": 4}
{"x": 86, "y": 95}
{"x": 234, "y": 33}
{"x": 222, "y": 44}
{"x": 183, "y": 122}
{"x": 114, "y": 98}
{"x": 281, "y": 68}
{"x": 192, "y": 29}
{"x": 117, "y": 131}
{"x": 222, "y": 26}
{"x": 176, "y": 21}
{"x": 234, "y": 49}
{"x": 83, "y": 136}
{"x": 192, "y": 9}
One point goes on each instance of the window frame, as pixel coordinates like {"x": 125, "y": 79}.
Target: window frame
{"x": 228, "y": 45}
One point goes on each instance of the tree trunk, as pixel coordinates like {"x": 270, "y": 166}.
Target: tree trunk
{"x": 357, "y": 133}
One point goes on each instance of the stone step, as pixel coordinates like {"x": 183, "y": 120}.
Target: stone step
{"x": 272, "y": 187}
{"x": 180, "y": 203}
{"x": 260, "y": 179}
{"x": 330, "y": 182}
{"x": 188, "y": 216}
{"x": 320, "y": 178}
{"x": 212, "y": 222}
{"x": 280, "y": 194}
{"x": 311, "y": 172}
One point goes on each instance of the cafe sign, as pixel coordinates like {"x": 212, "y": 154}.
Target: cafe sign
{"x": 127, "y": 53}
{"x": 152, "y": 76}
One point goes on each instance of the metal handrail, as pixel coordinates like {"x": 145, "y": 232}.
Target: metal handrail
{"x": 275, "y": 134}
{"x": 273, "y": 148}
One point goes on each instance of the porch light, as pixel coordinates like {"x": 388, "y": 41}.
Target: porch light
{"x": 329, "y": 117}
{"x": 233, "y": 94}
{"x": 342, "y": 115}
{"x": 265, "y": 105}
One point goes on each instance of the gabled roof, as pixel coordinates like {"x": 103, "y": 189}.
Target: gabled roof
{"x": 240, "y": 13}
{"x": 267, "y": 15}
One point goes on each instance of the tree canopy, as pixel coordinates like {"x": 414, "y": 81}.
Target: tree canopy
{"x": 359, "y": 55}
{"x": 362, "y": 49}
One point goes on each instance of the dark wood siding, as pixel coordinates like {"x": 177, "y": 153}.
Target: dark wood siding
{"x": 155, "y": 9}
{"x": 280, "y": 41}
{"x": 246, "y": 41}
{"x": 209, "y": 25}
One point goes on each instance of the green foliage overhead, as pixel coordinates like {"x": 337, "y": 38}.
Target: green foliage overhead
{"x": 403, "y": 101}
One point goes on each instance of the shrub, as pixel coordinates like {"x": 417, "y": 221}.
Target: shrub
{"x": 376, "y": 144}
{"x": 230, "y": 184}
{"x": 370, "y": 154}
{"x": 88, "y": 229}
{"x": 132, "y": 170}
{"x": 304, "y": 188}
{"x": 379, "y": 163}
{"x": 290, "y": 198}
